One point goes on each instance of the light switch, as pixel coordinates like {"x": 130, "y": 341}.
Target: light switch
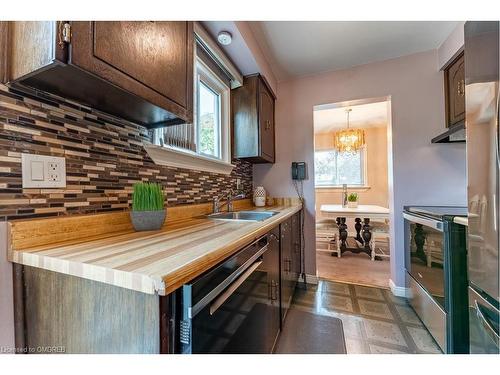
{"x": 37, "y": 170}
{"x": 42, "y": 171}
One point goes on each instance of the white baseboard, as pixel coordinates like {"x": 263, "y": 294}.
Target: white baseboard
{"x": 312, "y": 279}
{"x": 398, "y": 291}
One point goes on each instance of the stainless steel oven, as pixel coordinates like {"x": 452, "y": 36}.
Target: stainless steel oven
{"x": 436, "y": 265}
{"x": 234, "y": 308}
{"x": 425, "y": 262}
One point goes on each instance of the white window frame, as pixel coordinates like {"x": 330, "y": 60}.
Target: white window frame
{"x": 364, "y": 163}
{"x": 214, "y": 83}
{"x": 183, "y": 158}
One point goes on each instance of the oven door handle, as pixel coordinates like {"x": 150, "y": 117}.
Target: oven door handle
{"x": 436, "y": 224}
{"x": 214, "y": 306}
{"x": 490, "y": 330}
{"x": 209, "y": 297}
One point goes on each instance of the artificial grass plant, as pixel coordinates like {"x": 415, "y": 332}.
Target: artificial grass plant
{"x": 147, "y": 196}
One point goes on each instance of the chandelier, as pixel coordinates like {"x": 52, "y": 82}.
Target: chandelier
{"x": 349, "y": 140}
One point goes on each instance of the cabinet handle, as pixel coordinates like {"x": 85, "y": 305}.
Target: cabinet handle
{"x": 461, "y": 87}
{"x": 288, "y": 265}
{"x": 268, "y": 125}
{"x": 274, "y": 295}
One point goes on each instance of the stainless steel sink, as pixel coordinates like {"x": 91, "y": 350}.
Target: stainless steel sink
{"x": 243, "y": 215}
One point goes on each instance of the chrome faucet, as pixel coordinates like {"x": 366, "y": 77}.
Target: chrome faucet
{"x": 229, "y": 202}
{"x": 344, "y": 195}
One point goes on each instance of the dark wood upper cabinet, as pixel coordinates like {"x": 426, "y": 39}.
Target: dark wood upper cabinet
{"x": 140, "y": 71}
{"x": 454, "y": 81}
{"x": 253, "y": 120}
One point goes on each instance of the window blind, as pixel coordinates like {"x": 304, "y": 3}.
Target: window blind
{"x": 180, "y": 136}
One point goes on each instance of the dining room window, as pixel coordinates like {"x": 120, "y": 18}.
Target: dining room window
{"x": 333, "y": 168}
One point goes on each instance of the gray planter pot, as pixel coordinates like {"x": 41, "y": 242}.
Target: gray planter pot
{"x": 147, "y": 220}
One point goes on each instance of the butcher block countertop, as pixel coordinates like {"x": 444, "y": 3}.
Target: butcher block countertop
{"x": 156, "y": 262}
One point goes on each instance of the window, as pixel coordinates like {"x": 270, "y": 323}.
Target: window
{"x": 208, "y": 136}
{"x": 332, "y": 168}
{"x": 208, "y": 120}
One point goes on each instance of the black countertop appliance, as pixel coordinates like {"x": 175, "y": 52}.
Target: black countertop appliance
{"x": 436, "y": 272}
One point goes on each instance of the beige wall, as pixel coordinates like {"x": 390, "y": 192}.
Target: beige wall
{"x": 376, "y": 168}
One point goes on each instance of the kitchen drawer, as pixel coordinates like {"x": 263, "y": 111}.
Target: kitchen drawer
{"x": 433, "y": 317}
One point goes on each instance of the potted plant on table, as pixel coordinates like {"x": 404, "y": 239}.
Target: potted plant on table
{"x": 148, "y": 211}
{"x": 352, "y": 200}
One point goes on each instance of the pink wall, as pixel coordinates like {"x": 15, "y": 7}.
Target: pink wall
{"x": 6, "y": 293}
{"x": 419, "y": 172}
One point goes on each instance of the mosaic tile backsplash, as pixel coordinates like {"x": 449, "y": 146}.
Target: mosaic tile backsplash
{"x": 104, "y": 158}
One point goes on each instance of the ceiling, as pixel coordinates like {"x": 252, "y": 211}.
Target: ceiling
{"x": 297, "y": 48}
{"x": 237, "y": 51}
{"x": 331, "y": 117}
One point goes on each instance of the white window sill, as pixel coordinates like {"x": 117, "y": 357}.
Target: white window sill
{"x": 173, "y": 158}
{"x": 349, "y": 187}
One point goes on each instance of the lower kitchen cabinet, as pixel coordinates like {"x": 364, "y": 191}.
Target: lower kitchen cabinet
{"x": 60, "y": 313}
{"x": 290, "y": 259}
{"x": 286, "y": 265}
{"x": 238, "y": 306}
{"x": 274, "y": 283}
{"x": 296, "y": 248}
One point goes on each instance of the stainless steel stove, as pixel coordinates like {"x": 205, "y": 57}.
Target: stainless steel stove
{"x": 436, "y": 266}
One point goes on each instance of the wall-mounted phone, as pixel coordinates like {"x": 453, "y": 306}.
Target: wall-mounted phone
{"x": 299, "y": 170}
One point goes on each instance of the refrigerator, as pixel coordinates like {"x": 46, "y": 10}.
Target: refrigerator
{"x": 483, "y": 166}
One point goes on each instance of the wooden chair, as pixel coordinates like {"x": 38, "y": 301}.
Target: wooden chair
{"x": 380, "y": 235}
{"x": 327, "y": 233}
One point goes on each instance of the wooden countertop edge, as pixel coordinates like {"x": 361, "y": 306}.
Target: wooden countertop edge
{"x": 147, "y": 284}
{"x": 173, "y": 280}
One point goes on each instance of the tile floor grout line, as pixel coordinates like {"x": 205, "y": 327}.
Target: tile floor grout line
{"x": 412, "y": 346}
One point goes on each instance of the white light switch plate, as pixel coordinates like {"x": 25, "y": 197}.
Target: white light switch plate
{"x": 41, "y": 171}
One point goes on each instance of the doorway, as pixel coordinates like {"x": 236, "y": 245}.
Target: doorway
{"x": 355, "y": 175}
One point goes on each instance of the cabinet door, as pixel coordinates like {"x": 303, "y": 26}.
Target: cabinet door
{"x": 296, "y": 247}
{"x": 272, "y": 258}
{"x": 286, "y": 266}
{"x": 266, "y": 123}
{"x": 456, "y": 91}
{"x": 245, "y": 119}
{"x": 153, "y": 60}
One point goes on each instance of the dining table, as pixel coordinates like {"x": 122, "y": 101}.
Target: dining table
{"x": 362, "y": 214}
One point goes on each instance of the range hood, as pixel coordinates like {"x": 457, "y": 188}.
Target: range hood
{"x": 454, "y": 134}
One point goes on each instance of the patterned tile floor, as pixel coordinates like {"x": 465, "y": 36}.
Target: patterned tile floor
{"x": 374, "y": 320}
